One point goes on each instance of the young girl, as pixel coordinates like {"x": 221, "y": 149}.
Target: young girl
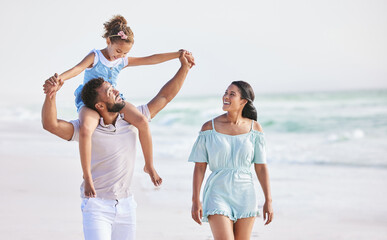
{"x": 107, "y": 63}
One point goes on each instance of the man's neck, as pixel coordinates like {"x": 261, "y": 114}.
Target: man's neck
{"x": 109, "y": 117}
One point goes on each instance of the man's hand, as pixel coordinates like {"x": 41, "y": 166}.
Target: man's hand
{"x": 188, "y": 55}
{"x": 186, "y": 59}
{"x": 52, "y": 85}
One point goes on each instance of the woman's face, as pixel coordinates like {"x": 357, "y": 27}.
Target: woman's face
{"x": 232, "y": 99}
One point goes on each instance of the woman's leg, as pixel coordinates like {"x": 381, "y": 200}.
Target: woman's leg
{"x": 243, "y": 228}
{"x": 89, "y": 122}
{"x": 137, "y": 119}
{"x": 221, "y": 227}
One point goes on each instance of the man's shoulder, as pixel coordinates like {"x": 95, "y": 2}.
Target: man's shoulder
{"x": 103, "y": 129}
{"x": 144, "y": 110}
{"x": 76, "y": 123}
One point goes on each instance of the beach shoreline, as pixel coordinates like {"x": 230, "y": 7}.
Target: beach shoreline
{"x": 328, "y": 172}
{"x": 40, "y": 197}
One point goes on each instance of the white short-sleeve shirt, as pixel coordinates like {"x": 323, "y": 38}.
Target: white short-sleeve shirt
{"x": 113, "y": 154}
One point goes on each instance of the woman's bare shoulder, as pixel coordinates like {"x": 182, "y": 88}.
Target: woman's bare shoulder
{"x": 257, "y": 126}
{"x": 207, "y": 126}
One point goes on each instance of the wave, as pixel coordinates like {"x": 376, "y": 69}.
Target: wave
{"x": 346, "y": 136}
{"x": 283, "y": 113}
{"x": 336, "y": 129}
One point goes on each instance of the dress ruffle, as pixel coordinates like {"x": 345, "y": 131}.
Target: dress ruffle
{"x": 229, "y": 215}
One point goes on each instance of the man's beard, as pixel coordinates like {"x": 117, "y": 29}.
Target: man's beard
{"x": 117, "y": 107}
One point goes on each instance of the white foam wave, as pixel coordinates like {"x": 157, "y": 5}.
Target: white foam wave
{"x": 345, "y": 136}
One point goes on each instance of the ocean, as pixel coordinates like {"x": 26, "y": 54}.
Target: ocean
{"x": 329, "y": 128}
{"x": 326, "y": 157}
{"x": 340, "y": 128}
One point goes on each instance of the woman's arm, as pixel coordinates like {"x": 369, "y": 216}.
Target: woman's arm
{"x": 198, "y": 176}
{"x": 263, "y": 176}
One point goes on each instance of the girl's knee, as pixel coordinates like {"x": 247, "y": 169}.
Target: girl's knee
{"x": 86, "y": 129}
{"x": 141, "y": 122}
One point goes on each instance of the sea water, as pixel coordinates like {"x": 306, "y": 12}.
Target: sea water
{"x": 326, "y": 155}
{"x": 331, "y": 128}
{"x": 342, "y": 128}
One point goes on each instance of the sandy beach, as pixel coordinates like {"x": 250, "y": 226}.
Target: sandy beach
{"x": 41, "y": 174}
{"x": 318, "y": 70}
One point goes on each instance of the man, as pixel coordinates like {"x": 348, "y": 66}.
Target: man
{"x": 112, "y": 214}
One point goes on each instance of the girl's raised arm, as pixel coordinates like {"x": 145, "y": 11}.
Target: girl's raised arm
{"x": 152, "y": 59}
{"x": 77, "y": 69}
{"x": 72, "y": 72}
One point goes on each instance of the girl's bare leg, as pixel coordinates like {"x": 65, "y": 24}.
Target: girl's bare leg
{"x": 221, "y": 227}
{"x": 137, "y": 119}
{"x": 89, "y": 122}
{"x": 243, "y": 228}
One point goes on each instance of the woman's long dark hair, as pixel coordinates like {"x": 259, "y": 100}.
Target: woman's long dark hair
{"x": 249, "y": 111}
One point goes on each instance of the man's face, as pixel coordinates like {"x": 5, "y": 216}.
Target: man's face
{"x": 111, "y": 98}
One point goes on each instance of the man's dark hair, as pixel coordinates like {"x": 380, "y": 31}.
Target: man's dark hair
{"x": 89, "y": 92}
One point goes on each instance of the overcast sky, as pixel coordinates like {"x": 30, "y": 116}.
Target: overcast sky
{"x": 277, "y": 46}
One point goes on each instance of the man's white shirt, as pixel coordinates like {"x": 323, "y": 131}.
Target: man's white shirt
{"x": 113, "y": 155}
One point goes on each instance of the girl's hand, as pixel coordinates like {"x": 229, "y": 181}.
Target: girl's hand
{"x": 49, "y": 88}
{"x": 183, "y": 60}
{"x": 267, "y": 212}
{"x": 197, "y": 212}
{"x": 189, "y": 57}
{"x": 52, "y": 85}
{"x": 184, "y": 56}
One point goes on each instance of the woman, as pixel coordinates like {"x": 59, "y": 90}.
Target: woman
{"x": 229, "y": 144}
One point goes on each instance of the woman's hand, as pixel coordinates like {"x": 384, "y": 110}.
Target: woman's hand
{"x": 197, "y": 212}
{"x": 267, "y": 212}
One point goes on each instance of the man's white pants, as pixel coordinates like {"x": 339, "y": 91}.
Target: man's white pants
{"x": 109, "y": 219}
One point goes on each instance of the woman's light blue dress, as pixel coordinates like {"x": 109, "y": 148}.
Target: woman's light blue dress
{"x": 229, "y": 189}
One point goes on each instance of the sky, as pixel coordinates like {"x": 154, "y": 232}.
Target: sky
{"x": 276, "y": 46}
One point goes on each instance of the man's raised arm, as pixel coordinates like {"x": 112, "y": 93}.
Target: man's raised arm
{"x": 171, "y": 88}
{"x": 51, "y": 123}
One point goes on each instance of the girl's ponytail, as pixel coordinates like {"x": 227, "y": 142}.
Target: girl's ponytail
{"x": 116, "y": 29}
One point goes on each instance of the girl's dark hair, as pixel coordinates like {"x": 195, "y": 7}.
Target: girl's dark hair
{"x": 115, "y": 25}
{"x": 249, "y": 111}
